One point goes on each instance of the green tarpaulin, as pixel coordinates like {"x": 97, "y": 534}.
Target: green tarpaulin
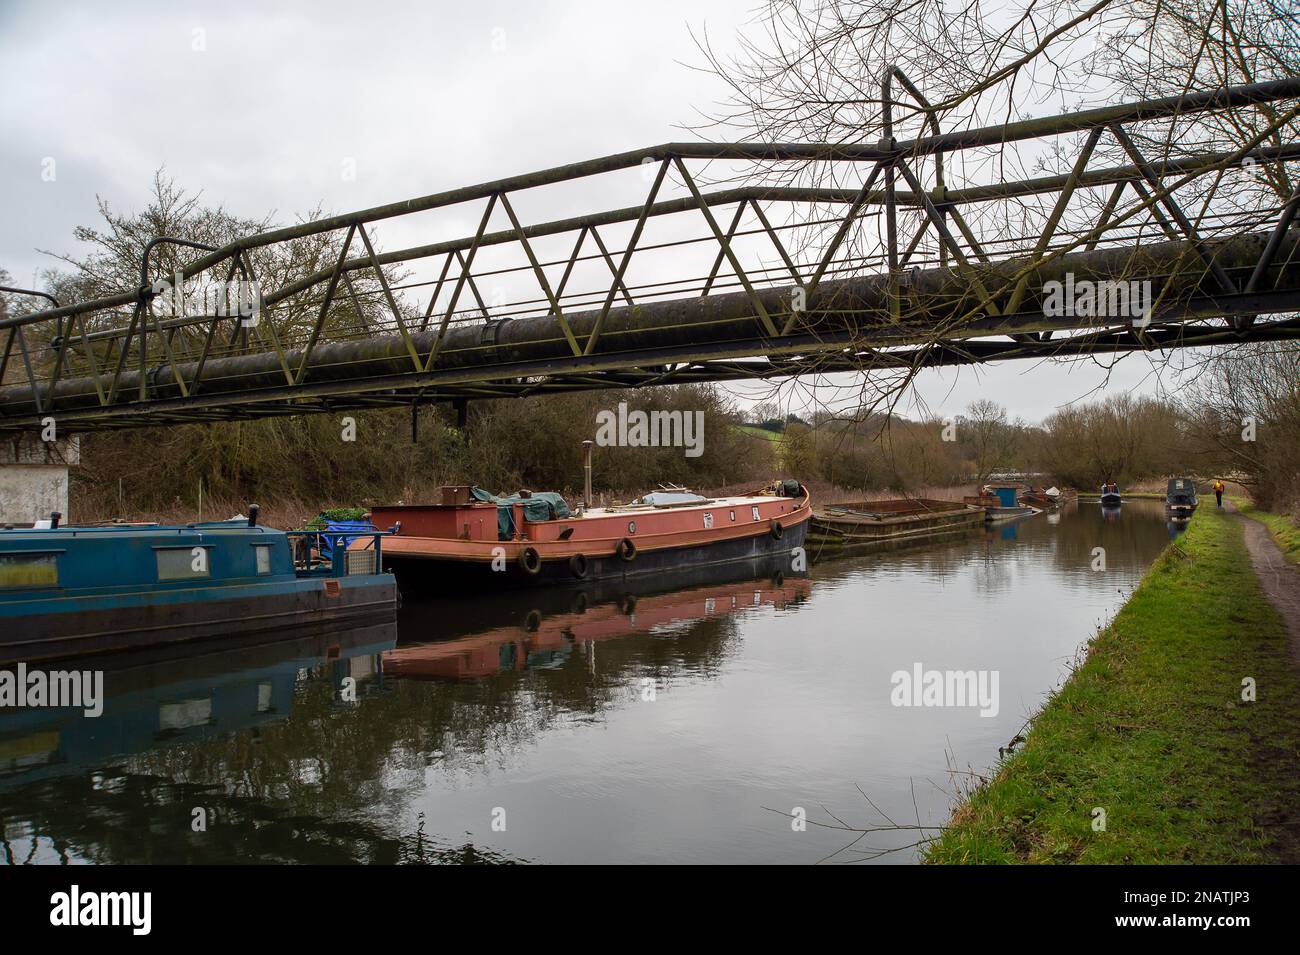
{"x": 541, "y": 506}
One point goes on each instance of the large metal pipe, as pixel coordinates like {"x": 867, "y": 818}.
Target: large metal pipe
{"x": 839, "y": 312}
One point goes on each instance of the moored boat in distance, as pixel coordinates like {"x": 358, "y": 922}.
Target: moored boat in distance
{"x": 1180, "y": 496}
{"x": 1110, "y": 496}
{"x": 73, "y": 589}
{"x": 1001, "y": 503}
{"x": 477, "y": 540}
{"x": 1049, "y": 499}
{"x": 851, "y": 527}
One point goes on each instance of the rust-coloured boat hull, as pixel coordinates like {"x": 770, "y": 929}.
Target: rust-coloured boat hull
{"x": 441, "y": 549}
{"x": 419, "y": 575}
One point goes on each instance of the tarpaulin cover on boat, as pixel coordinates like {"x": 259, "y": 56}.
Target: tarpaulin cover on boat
{"x": 327, "y": 540}
{"x": 541, "y": 506}
{"x": 667, "y": 498}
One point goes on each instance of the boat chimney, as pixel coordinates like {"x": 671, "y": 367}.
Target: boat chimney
{"x": 252, "y": 515}
{"x": 55, "y": 517}
{"x": 586, "y": 474}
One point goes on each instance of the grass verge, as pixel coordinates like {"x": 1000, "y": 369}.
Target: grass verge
{"x": 1152, "y": 729}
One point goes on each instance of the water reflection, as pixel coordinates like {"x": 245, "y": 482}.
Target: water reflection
{"x": 551, "y": 640}
{"x": 592, "y": 725}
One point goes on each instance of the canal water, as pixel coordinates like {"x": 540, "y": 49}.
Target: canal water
{"x": 729, "y": 722}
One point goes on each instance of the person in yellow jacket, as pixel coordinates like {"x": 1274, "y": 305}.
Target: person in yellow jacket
{"x": 1218, "y": 492}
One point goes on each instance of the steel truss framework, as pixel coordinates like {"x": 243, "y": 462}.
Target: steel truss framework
{"x": 862, "y": 295}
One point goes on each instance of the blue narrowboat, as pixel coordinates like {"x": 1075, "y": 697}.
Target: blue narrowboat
{"x": 73, "y": 589}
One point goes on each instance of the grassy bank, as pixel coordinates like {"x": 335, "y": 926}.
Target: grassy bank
{"x": 1284, "y": 530}
{"x": 1152, "y": 729}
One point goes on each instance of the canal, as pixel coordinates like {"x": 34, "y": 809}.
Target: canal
{"x": 696, "y": 726}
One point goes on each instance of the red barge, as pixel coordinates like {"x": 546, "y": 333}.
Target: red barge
{"x": 475, "y": 540}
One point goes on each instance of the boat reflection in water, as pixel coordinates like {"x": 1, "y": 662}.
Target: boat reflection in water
{"x": 153, "y": 699}
{"x": 537, "y": 636}
{"x": 224, "y": 755}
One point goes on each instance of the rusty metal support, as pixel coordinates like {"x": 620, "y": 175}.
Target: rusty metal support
{"x": 324, "y": 306}
{"x": 466, "y": 265}
{"x": 760, "y": 309}
{"x": 599, "y": 325}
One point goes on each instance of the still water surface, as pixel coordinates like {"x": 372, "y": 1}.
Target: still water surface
{"x": 679, "y": 727}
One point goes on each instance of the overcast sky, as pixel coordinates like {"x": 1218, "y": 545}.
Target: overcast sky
{"x": 257, "y": 108}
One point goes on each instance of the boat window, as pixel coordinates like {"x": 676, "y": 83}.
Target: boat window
{"x": 28, "y": 570}
{"x": 184, "y": 714}
{"x": 183, "y": 563}
{"x": 733, "y": 515}
{"x": 754, "y": 510}
{"x": 263, "y": 552}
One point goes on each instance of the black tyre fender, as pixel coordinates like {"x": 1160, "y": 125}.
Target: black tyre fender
{"x": 776, "y": 530}
{"x": 578, "y": 566}
{"x": 530, "y": 562}
{"x": 626, "y": 550}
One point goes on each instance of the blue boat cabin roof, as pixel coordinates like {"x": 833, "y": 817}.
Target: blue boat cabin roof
{"x": 107, "y": 558}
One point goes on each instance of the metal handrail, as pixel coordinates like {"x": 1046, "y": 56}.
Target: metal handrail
{"x": 337, "y": 564}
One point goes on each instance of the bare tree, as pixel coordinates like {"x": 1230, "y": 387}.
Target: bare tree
{"x": 991, "y": 437}
{"x": 844, "y": 72}
{"x": 1243, "y": 422}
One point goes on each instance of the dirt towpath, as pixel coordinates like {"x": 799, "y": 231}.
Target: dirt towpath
{"x": 1279, "y": 578}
